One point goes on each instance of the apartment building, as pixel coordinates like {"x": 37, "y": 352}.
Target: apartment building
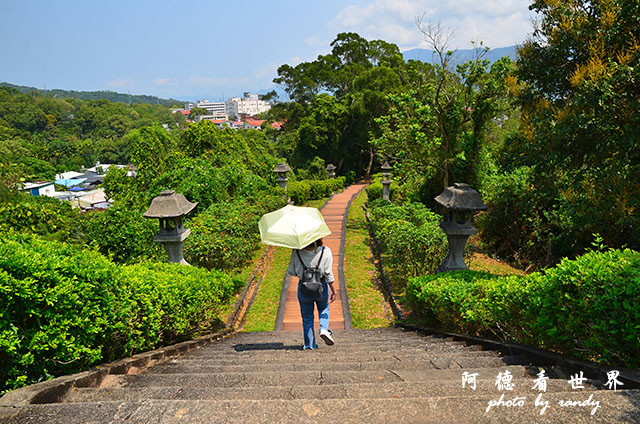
{"x": 248, "y": 105}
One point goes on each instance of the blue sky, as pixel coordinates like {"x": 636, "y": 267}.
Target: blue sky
{"x": 209, "y": 49}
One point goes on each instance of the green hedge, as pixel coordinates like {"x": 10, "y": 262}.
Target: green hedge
{"x": 301, "y": 192}
{"x": 226, "y": 234}
{"x": 374, "y": 191}
{"x": 588, "y": 308}
{"x": 63, "y": 308}
{"x": 410, "y": 238}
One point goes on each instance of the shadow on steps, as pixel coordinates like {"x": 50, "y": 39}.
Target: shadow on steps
{"x": 265, "y": 346}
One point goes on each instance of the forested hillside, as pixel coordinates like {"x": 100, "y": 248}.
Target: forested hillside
{"x": 96, "y": 95}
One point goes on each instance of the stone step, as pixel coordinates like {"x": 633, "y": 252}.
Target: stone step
{"x": 236, "y": 345}
{"x": 297, "y": 344}
{"x": 435, "y": 363}
{"x": 612, "y": 407}
{"x": 289, "y": 378}
{"x": 366, "y": 357}
{"x": 344, "y": 335}
{"x": 394, "y": 390}
{"x": 325, "y": 351}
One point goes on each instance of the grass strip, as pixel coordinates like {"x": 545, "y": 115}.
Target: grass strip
{"x": 262, "y": 315}
{"x": 367, "y": 304}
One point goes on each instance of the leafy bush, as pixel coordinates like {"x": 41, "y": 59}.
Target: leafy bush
{"x": 122, "y": 233}
{"x": 588, "y": 308}
{"x": 40, "y": 215}
{"x": 301, "y": 192}
{"x": 410, "y": 236}
{"x": 374, "y": 191}
{"x": 63, "y": 308}
{"x": 516, "y": 226}
{"x": 226, "y": 234}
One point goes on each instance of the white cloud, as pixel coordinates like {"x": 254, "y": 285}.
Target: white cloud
{"x": 162, "y": 81}
{"x": 120, "y": 83}
{"x": 498, "y": 23}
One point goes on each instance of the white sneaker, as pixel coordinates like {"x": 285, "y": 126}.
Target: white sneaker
{"x": 326, "y": 336}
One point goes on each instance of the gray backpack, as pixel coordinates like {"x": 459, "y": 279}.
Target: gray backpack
{"x": 311, "y": 281}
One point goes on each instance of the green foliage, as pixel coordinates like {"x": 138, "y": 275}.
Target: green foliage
{"x": 437, "y": 129}
{"x": 223, "y": 237}
{"x": 577, "y": 85}
{"x": 45, "y": 135}
{"x": 96, "y": 95}
{"x": 45, "y": 216}
{"x": 587, "y": 308}
{"x": 151, "y": 150}
{"x": 63, "y": 309}
{"x": 335, "y": 100}
{"x": 123, "y": 234}
{"x": 410, "y": 237}
{"x": 301, "y": 192}
{"x": 197, "y": 111}
{"x": 374, "y": 190}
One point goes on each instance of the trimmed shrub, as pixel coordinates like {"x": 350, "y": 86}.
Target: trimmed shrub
{"x": 374, "y": 191}
{"x": 226, "y": 234}
{"x": 588, "y": 308}
{"x": 122, "y": 233}
{"x": 301, "y": 192}
{"x": 410, "y": 236}
{"x": 63, "y": 308}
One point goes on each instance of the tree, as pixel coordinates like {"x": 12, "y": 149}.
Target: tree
{"x": 197, "y": 111}
{"x": 152, "y": 151}
{"x": 579, "y": 88}
{"x": 335, "y": 100}
{"x": 436, "y": 129}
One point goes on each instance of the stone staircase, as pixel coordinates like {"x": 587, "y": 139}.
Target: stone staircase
{"x": 379, "y": 375}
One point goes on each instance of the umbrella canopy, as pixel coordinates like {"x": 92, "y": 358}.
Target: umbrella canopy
{"x": 69, "y": 182}
{"x": 292, "y": 226}
{"x": 76, "y": 188}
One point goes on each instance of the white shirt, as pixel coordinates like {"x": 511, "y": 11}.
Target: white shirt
{"x": 310, "y": 258}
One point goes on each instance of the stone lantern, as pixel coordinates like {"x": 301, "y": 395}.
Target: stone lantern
{"x": 170, "y": 208}
{"x": 460, "y": 202}
{"x": 331, "y": 170}
{"x": 281, "y": 169}
{"x": 386, "y": 182}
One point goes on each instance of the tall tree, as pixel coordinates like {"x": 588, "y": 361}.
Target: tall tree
{"x": 579, "y": 87}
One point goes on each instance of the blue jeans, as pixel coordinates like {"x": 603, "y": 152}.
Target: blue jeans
{"x": 306, "y": 310}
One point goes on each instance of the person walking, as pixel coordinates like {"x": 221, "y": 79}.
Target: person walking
{"x": 314, "y": 255}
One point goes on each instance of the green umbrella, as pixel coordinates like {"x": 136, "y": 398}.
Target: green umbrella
{"x": 293, "y": 227}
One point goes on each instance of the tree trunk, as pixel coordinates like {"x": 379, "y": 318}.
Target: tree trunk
{"x": 368, "y": 172}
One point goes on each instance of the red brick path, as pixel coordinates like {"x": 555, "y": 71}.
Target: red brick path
{"x": 333, "y": 213}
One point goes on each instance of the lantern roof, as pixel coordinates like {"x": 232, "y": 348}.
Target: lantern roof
{"x": 169, "y": 205}
{"x": 386, "y": 166}
{"x": 281, "y": 167}
{"x": 331, "y": 167}
{"x": 461, "y": 197}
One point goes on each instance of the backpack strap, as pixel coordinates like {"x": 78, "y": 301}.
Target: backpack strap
{"x": 302, "y": 262}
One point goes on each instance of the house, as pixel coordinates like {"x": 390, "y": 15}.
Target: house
{"x": 68, "y": 175}
{"x": 255, "y": 124}
{"x": 39, "y": 188}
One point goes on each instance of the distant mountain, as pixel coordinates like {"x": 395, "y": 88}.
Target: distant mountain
{"x": 460, "y": 56}
{"x": 95, "y": 95}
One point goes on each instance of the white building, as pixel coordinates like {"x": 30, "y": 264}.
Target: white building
{"x": 40, "y": 188}
{"x": 217, "y": 110}
{"x": 250, "y": 104}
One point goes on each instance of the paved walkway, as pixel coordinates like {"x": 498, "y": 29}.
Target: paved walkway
{"x": 334, "y": 213}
